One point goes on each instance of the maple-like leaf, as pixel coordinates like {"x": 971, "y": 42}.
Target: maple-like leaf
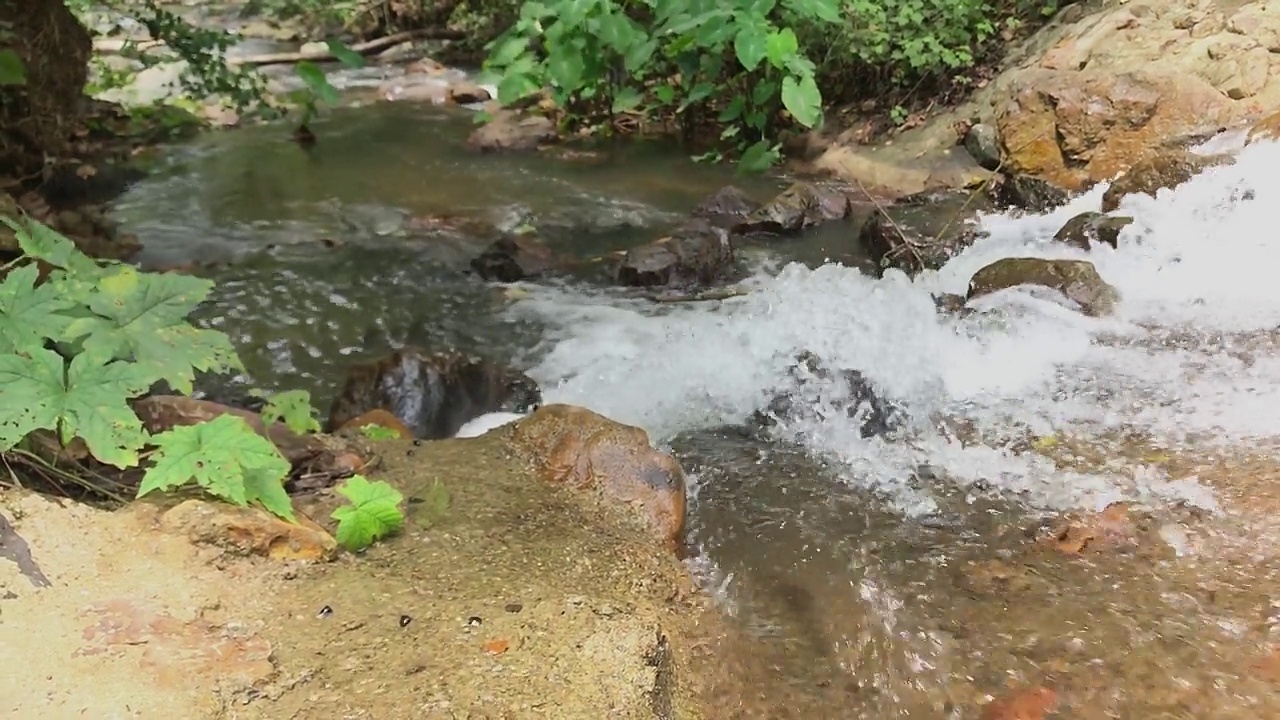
{"x": 87, "y": 399}
{"x": 30, "y": 314}
{"x": 226, "y": 458}
{"x": 374, "y": 513}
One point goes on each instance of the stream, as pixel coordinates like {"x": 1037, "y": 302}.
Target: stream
{"x": 877, "y": 577}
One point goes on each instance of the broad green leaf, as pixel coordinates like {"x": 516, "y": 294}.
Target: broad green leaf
{"x": 565, "y": 66}
{"x": 344, "y": 54}
{"x": 626, "y": 99}
{"x": 142, "y": 317}
{"x": 514, "y": 87}
{"x": 665, "y": 94}
{"x": 749, "y": 45}
{"x": 509, "y": 51}
{"x": 781, "y": 47}
{"x": 86, "y": 400}
{"x": 42, "y": 242}
{"x": 316, "y": 81}
{"x": 294, "y": 408}
{"x": 802, "y": 99}
{"x": 638, "y": 55}
{"x": 223, "y": 456}
{"x": 12, "y": 70}
{"x": 30, "y": 314}
{"x": 733, "y": 110}
{"x": 763, "y": 92}
{"x": 374, "y": 513}
{"x": 759, "y": 157}
{"x": 618, "y": 32}
{"x": 827, "y": 10}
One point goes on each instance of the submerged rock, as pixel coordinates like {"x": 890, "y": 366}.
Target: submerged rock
{"x": 1161, "y": 172}
{"x": 508, "y": 130}
{"x": 815, "y": 384}
{"x": 587, "y": 451}
{"x": 726, "y": 208}
{"x": 694, "y": 253}
{"x": 891, "y": 244}
{"x": 514, "y": 258}
{"x": 801, "y": 206}
{"x": 1078, "y": 280}
{"x": 433, "y": 394}
{"x": 1089, "y": 228}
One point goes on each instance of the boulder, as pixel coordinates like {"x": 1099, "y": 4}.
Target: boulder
{"x": 1078, "y": 280}
{"x": 249, "y": 531}
{"x": 983, "y": 144}
{"x": 465, "y": 92}
{"x": 1027, "y": 193}
{"x": 514, "y": 258}
{"x": 894, "y": 244}
{"x": 801, "y": 206}
{"x": 433, "y": 394}
{"x": 1089, "y": 228}
{"x": 1163, "y": 171}
{"x": 814, "y": 383}
{"x": 726, "y": 208}
{"x": 694, "y": 253}
{"x": 590, "y": 452}
{"x": 508, "y": 130}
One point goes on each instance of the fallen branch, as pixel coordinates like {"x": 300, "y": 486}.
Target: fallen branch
{"x": 115, "y": 46}
{"x": 365, "y": 48}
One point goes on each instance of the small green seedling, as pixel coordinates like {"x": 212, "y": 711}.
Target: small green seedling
{"x": 373, "y": 513}
{"x": 293, "y": 408}
{"x": 376, "y": 432}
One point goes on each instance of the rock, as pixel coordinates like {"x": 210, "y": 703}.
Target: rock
{"x": 892, "y": 244}
{"x": 165, "y": 412}
{"x": 1267, "y": 128}
{"x": 815, "y": 385}
{"x": 1164, "y": 171}
{"x": 1074, "y": 128}
{"x": 1086, "y": 229}
{"x": 507, "y": 130}
{"x": 726, "y": 208}
{"x": 249, "y": 531}
{"x": 433, "y": 394}
{"x": 983, "y": 144}
{"x": 425, "y": 66}
{"x": 950, "y": 303}
{"x": 800, "y": 206}
{"x": 1028, "y": 193}
{"x": 514, "y": 258}
{"x": 694, "y": 253}
{"x": 467, "y": 93}
{"x": 1078, "y": 280}
{"x": 315, "y": 47}
{"x": 380, "y": 418}
{"x": 590, "y": 452}
{"x": 428, "y": 90}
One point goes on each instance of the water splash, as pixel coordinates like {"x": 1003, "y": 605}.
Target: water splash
{"x": 1188, "y": 355}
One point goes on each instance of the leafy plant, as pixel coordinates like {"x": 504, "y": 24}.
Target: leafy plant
{"x": 293, "y": 407}
{"x": 12, "y": 70}
{"x": 317, "y": 90}
{"x": 378, "y": 432}
{"x": 77, "y": 347}
{"x": 373, "y": 512}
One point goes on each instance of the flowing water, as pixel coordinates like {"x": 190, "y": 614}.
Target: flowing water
{"x": 873, "y": 577}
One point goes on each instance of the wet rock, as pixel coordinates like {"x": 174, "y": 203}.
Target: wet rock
{"x": 983, "y": 144}
{"x": 814, "y": 385}
{"x": 891, "y": 244}
{"x": 1165, "y": 171}
{"x": 464, "y": 92}
{"x": 1078, "y": 280}
{"x": 1074, "y": 128}
{"x": 433, "y": 394}
{"x": 249, "y": 531}
{"x": 508, "y": 130}
{"x": 590, "y": 452}
{"x": 694, "y": 253}
{"x": 1110, "y": 530}
{"x": 1268, "y": 128}
{"x": 422, "y": 90}
{"x": 1089, "y": 228}
{"x": 950, "y": 302}
{"x": 1028, "y": 193}
{"x": 726, "y": 208}
{"x": 514, "y": 258}
{"x": 378, "y": 418}
{"x": 801, "y": 206}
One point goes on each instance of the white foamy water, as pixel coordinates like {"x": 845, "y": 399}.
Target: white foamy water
{"x": 1198, "y": 261}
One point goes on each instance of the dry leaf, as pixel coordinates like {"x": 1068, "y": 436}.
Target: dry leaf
{"x": 496, "y": 647}
{"x": 1031, "y": 704}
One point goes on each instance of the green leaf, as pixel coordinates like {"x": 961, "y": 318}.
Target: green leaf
{"x": 781, "y": 46}
{"x": 44, "y": 243}
{"x": 749, "y": 45}
{"x": 224, "y": 457}
{"x": 733, "y": 110}
{"x": 316, "y": 81}
{"x": 12, "y": 70}
{"x": 514, "y": 87}
{"x": 507, "y": 53}
{"x": 374, "y": 513}
{"x": 802, "y": 99}
{"x": 565, "y": 66}
{"x": 87, "y": 399}
{"x": 378, "y": 432}
{"x": 626, "y": 99}
{"x": 29, "y": 315}
{"x": 665, "y": 94}
{"x": 142, "y": 317}
{"x": 294, "y": 408}
{"x": 759, "y": 157}
{"x": 763, "y": 92}
{"x": 344, "y": 54}
{"x": 827, "y": 10}
{"x": 638, "y": 55}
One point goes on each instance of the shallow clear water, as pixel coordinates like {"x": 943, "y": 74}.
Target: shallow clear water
{"x": 872, "y": 578}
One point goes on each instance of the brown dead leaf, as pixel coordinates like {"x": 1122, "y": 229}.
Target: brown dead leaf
{"x": 1030, "y": 704}
{"x": 496, "y": 647}
{"x": 1110, "y": 528}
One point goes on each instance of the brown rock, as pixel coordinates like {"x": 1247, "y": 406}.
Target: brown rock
{"x": 467, "y": 93}
{"x": 727, "y": 207}
{"x": 694, "y": 253}
{"x": 1268, "y": 128}
{"x": 1076, "y": 279}
{"x": 1077, "y": 128}
{"x": 165, "y": 412}
{"x": 1087, "y": 229}
{"x": 507, "y": 130}
{"x": 514, "y": 258}
{"x": 409, "y": 89}
{"x": 380, "y": 418}
{"x": 590, "y": 452}
{"x": 433, "y": 394}
{"x": 800, "y": 206}
{"x": 1166, "y": 170}
{"x": 249, "y": 531}
{"x": 1028, "y": 193}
